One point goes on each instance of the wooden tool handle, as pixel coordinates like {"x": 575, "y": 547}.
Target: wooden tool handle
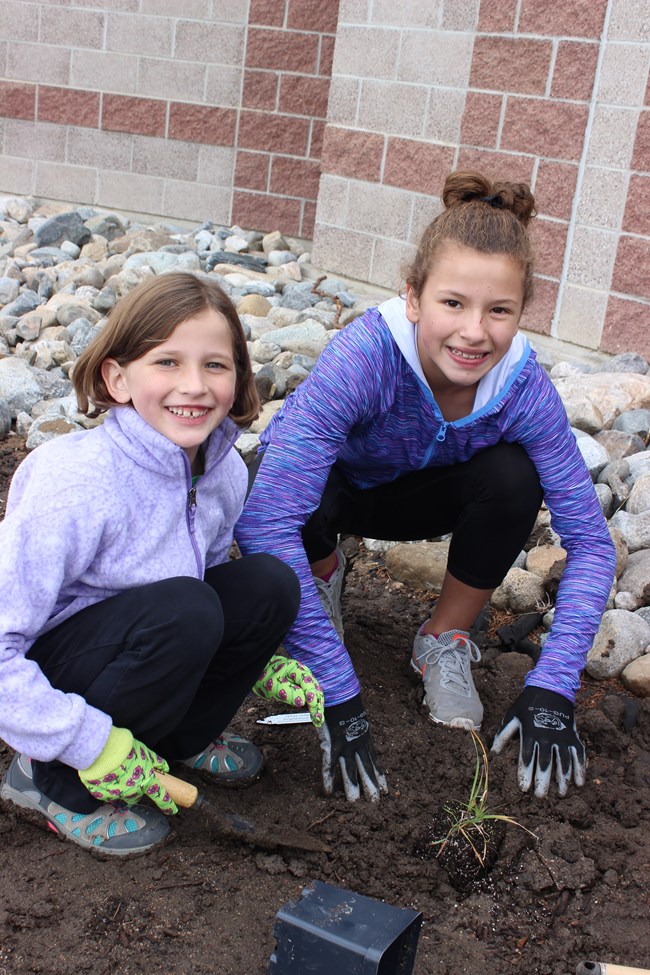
{"x": 623, "y": 970}
{"x": 604, "y": 968}
{"x": 183, "y": 793}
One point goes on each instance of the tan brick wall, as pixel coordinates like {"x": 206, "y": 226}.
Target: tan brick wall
{"x": 554, "y": 92}
{"x": 200, "y": 109}
{"x": 341, "y": 118}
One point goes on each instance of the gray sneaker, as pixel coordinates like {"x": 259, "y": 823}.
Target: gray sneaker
{"x": 330, "y": 593}
{"x": 113, "y": 828}
{"x": 445, "y": 665}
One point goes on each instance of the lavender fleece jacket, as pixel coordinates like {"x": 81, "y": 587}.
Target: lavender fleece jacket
{"x": 90, "y": 515}
{"x": 368, "y": 407}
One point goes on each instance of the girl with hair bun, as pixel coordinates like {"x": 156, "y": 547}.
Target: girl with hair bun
{"x": 430, "y": 415}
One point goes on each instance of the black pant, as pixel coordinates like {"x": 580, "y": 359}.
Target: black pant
{"x": 489, "y": 502}
{"x": 171, "y": 661}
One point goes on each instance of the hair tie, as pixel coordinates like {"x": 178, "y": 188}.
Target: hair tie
{"x": 494, "y": 201}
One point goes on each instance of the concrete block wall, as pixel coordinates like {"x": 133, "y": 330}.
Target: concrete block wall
{"x": 553, "y": 92}
{"x": 195, "y": 109}
{"x": 339, "y": 119}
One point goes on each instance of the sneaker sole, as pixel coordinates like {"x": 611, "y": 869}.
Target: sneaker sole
{"x": 465, "y": 724}
{"x": 222, "y": 783}
{"x": 40, "y": 818}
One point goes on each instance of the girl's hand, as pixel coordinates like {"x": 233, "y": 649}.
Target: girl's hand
{"x": 548, "y": 741}
{"x": 289, "y": 682}
{"x": 126, "y": 770}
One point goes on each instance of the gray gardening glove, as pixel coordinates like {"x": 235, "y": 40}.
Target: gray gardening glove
{"x": 346, "y": 741}
{"x": 547, "y": 737}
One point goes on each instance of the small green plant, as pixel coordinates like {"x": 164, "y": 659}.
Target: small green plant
{"x": 469, "y": 819}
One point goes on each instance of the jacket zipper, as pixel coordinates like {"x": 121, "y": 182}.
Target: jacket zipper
{"x": 191, "y": 511}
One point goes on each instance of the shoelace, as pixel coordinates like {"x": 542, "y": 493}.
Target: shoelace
{"x": 454, "y": 660}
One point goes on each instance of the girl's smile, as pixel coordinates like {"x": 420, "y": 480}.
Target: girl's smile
{"x": 184, "y": 387}
{"x": 466, "y": 316}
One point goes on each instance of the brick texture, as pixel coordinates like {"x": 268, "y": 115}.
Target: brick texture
{"x": 641, "y": 154}
{"x": 295, "y": 177}
{"x": 252, "y": 170}
{"x": 357, "y": 155}
{"x": 263, "y": 212}
{"x": 480, "y": 123}
{"x": 497, "y": 17}
{"x": 575, "y": 67}
{"x": 260, "y": 90}
{"x": 202, "y": 123}
{"x": 636, "y": 219}
{"x": 497, "y": 165}
{"x": 511, "y": 64}
{"x": 626, "y": 327}
{"x": 317, "y": 15}
{"x": 538, "y": 314}
{"x": 544, "y": 127}
{"x": 17, "y": 101}
{"x": 282, "y": 50}
{"x": 267, "y": 13}
{"x": 417, "y": 166}
{"x": 144, "y": 116}
{"x": 555, "y": 188}
{"x": 563, "y": 18}
{"x": 632, "y": 269}
{"x": 273, "y": 133}
{"x": 304, "y": 95}
{"x": 68, "y": 106}
{"x": 549, "y": 243}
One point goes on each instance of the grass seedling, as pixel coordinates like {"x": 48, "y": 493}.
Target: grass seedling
{"x": 469, "y": 819}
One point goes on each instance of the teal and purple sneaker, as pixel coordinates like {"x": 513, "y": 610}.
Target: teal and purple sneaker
{"x": 113, "y": 828}
{"x": 229, "y": 760}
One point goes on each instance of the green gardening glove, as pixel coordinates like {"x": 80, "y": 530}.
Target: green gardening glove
{"x": 126, "y": 769}
{"x": 291, "y": 683}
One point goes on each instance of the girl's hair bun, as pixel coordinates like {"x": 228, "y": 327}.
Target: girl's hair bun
{"x": 464, "y": 187}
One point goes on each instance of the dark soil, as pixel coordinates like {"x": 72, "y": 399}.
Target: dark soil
{"x": 206, "y": 905}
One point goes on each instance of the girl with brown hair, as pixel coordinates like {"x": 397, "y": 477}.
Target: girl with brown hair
{"x": 126, "y": 634}
{"x": 430, "y": 415}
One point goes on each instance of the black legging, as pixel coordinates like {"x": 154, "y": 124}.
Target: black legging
{"x": 171, "y": 661}
{"x": 489, "y": 502}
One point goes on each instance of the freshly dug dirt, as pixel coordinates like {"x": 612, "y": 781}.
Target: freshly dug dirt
{"x": 206, "y": 905}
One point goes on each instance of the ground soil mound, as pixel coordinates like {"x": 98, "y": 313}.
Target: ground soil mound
{"x": 206, "y": 904}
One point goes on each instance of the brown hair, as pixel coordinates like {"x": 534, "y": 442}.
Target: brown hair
{"x": 490, "y": 217}
{"x": 146, "y": 317}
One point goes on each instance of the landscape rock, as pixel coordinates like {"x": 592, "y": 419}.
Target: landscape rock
{"x": 622, "y": 637}
{"x": 420, "y": 564}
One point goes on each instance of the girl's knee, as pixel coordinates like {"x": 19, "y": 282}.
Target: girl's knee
{"x": 194, "y": 609}
{"x": 512, "y": 476}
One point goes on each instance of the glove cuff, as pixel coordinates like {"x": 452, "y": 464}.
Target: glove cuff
{"x": 340, "y": 713}
{"x": 118, "y": 745}
{"x": 533, "y": 696}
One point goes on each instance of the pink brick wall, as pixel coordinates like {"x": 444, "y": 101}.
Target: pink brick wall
{"x": 287, "y": 70}
{"x": 339, "y": 119}
{"x": 553, "y": 92}
{"x": 213, "y": 110}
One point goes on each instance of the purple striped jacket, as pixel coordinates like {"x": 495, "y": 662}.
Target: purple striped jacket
{"x": 365, "y": 407}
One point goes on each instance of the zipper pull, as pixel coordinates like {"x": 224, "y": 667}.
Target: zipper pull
{"x": 442, "y": 432}
{"x": 191, "y": 497}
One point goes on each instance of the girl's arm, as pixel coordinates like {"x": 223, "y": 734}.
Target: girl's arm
{"x": 543, "y": 429}
{"x": 44, "y": 546}
{"x": 343, "y": 390}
